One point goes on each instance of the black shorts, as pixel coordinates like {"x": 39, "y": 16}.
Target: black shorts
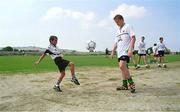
{"x": 142, "y": 54}
{"x": 161, "y": 53}
{"x": 134, "y": 52}
{"x": 124, "y": 58}
{"x": 61, "y": 63}
{"x": 155, "y": 55}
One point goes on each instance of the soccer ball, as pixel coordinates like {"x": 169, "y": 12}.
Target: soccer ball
{"x": 91, "y": 45}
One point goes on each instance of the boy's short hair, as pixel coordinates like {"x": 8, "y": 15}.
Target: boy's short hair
{"x": 52, "y": 37}
{"x": 155, "y": 44}
{"x": 143, "y": 37}
{"x": 118, "y": 17}
{"x": 160, "y": 38}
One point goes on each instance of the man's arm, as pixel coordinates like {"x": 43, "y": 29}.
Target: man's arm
{"x": 113, "y": 50}
{"x": 131, "y": 47}
{"x": 41, "y": 58}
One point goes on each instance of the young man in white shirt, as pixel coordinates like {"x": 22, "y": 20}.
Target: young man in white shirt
{"x": 142, "y": 53}
{"x": 124, "y": 44}
{"x": 155, "y": 52}
{"x": 161, "y": 49}
{"x": 61, "y": 63}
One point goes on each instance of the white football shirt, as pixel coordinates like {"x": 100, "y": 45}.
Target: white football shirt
{"x": 155, "y": 51}
{"x": 161, "y": 46}
{"x": 123, "y": 39}
{"x": 142, "y": 48}
{"x": 53, "y": 51}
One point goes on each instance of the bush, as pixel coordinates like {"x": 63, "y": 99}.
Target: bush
{"x": 8, "y": 48}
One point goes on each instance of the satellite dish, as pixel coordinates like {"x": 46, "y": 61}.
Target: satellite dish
{"x": 91, "y": 45}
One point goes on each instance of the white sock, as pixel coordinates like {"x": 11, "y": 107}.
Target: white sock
{"x": 73, "y": 76}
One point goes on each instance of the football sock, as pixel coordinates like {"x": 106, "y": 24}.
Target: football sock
{"x": 125, "y": 83}
{"x": 130, "y": 80}
{"x": 73, "y": 76}
{"x": 58, "y": 82}
{"x": 127, "y": 66}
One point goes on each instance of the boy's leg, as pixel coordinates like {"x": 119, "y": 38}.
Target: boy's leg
{"x": 129, "y": 80}
{"x": 145, "y": 61}
{"x": 134, "y": 60}
{"x": 62, "y": 74}
{"x": 139, "y": 59}
{"x": 72, "y": 69}
{"x": 164, "y": 65}
{"x": 162, "y": 59}
{"x": 126, "y": 77}
{"x": 159, "y": 60}
{"x": 60, "y": 78}
{"x": 124, "y": 69}
{"x": 131, "y": 84}
{"x": 155, "y": 58}
{"x": 122, "y": 66}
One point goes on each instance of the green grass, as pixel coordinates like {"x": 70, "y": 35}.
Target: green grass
{"x": 25, "y": 64}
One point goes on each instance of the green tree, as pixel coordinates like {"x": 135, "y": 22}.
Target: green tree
{"x": 8, "y": 48}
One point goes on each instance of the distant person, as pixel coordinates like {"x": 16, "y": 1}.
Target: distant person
{"x": 155, "y": 52}
{"x": 106, "y": 52}
{"x": 149, "y": 53}
{"x": 124, "y": 44}
{"x": 61, "y": 63}
{"x": 161, "y": 49}
{"x": 142, "y": 53}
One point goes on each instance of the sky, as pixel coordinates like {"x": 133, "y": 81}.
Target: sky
{"x": 31, "y": 22}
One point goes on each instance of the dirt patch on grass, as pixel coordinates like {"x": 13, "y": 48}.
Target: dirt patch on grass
{"x": 157, "y": 89}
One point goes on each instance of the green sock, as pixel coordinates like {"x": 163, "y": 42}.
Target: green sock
{"x": 130, "y": 80}
{"x": 125, "y": 83}
{"x": 135, "y": 65}
{"x": 127, "y": 66}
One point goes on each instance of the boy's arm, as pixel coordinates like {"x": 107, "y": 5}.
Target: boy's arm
{"x": 113, "y": 50}
{"x": 131, "y": 47}
{"x": 41, "y": 58}
{"x": 166, "y": 48}
{"x": 139, "y": 46}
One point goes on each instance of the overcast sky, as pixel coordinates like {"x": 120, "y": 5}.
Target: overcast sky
{"x": 31, "y": 22}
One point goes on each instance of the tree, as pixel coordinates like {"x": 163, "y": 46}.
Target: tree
{"x": 8, "y": 48}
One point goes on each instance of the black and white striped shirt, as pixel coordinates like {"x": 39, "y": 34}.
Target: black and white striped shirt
{"x": 53, "y": 51}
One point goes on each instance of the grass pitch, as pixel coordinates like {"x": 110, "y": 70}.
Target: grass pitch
{"x": 25, "y": 64}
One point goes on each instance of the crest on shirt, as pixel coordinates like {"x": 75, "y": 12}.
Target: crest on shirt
{"x": 119, "y": 38}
